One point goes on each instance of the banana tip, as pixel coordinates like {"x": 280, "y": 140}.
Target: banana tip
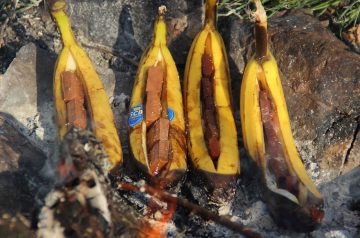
{"x": 162, "y": 10}
{"x": 56, "y": 5}
{"x": 260, "y": 13}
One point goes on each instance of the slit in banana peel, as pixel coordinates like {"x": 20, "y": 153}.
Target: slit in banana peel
{"x": 156, "y": 119}
{"x": 292, "y": 197}
{"x": 211, "y": 129}
{"x": 80, "y": 98}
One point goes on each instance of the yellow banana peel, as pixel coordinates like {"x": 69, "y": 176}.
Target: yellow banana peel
{"x": 158, "y": 57}
{"x": 293, "y": 199}
{"x": 218, "y": 160}
{"x": 74, "y": 60}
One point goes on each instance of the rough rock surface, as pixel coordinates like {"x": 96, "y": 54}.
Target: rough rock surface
{"x": 127, "y": 25}
{"x": 26, "y": 94}
{"x": 20, "y": 163}
{"x": 321, "y": 80}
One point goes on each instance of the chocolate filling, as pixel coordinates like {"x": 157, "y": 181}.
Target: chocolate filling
{"x": 157, "y": 121}
{"x": 209, "y": 111}
{"x": 74, "y": 98}
{"x": 273, "y": 147}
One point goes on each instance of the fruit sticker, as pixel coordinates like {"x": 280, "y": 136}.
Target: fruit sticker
{"x": 136, "y": 115}
{"x": 171, "y": 114}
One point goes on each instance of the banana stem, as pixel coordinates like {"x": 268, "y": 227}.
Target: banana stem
{"x": 57, "y": 8}
{"x": 160, "y": 27}
{"x": 211, "y": 12}
{"x": 261, "y": 34}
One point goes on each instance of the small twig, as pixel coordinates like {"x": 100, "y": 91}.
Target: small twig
{"x": 108, "y": 50}
{"x": 200, "y": 211}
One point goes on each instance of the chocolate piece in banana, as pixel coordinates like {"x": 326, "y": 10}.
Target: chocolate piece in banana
{"x": 154, "y": 87}
{"x": 208, "y": 105}
{"x": 212, "y": 134}
{"x": 156, "y": 120}
{"x": 74, "y": 98}
{"x": 292, "y": 197}
{"x": 157, "y": 142}
{"x": 80, "y": 98}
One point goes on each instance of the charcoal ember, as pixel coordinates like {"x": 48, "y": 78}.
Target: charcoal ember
{"x": 79, "y": 209}
{"x": 83, "y": 203}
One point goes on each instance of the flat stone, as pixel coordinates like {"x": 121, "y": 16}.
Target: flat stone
{"x": 26, "y": 94}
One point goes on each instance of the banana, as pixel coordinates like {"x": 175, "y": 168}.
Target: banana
{"x": 80, "y": 98}
{"x": 292, "y": 197}
{"x": 156, "y": 118}
{"x": 211, "y": 129}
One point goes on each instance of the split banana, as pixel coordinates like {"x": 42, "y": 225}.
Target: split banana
{"x": 80, "y": 98}
{"x": 292, "y": 197}
{"x": 212, "y": 135}
{"x": 156, "y": 118}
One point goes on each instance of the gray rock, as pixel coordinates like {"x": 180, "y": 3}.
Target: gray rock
{"x": 26, "y": 94}
{"x": 320, "y": 77}
{"x": 20, "y": 163}
{"x": 127, "y": 25}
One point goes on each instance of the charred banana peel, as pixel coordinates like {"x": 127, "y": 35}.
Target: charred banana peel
{"x": 292, "y": 197}
{"x": 156, "y": 119}
{"x": 80, "y": 98}
{"x": 212, "y": 135}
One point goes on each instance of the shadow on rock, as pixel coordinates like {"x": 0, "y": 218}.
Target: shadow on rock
{"x": 45, "y": 65}
{"x": 21, "y": 161}
{"x": 124, "y": 75}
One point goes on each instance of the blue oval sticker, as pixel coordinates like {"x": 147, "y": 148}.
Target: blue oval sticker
{"x": 171, "y": 114}
{"x": 136, "y": 115}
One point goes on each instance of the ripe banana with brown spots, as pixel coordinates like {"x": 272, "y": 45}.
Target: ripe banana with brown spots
{"x": 211, "y": 129}
{"x": 292, "y": 197}
{"x": 156, "y": 118}
{"x": 80, "y": 98}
